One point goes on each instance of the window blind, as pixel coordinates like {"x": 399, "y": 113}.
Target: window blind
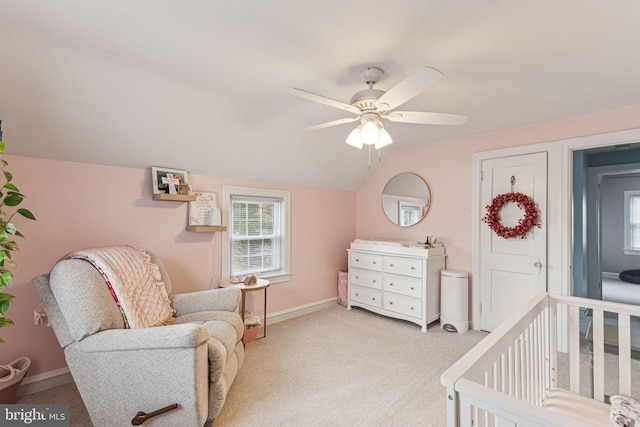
{"x": 255, "y": 236}
{"x": 634, "y": 222}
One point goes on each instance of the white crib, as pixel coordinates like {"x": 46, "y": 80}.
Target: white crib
{"x": 517, "y": 376}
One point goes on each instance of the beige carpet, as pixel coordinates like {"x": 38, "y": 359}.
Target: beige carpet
{"x": 333, "y": 367}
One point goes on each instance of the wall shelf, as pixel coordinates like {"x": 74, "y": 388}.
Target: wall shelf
{"x": 206, "y": 228}
{"x": 175, "y": 197}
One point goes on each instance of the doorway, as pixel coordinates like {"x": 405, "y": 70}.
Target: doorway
{"x": 601, "y": 178}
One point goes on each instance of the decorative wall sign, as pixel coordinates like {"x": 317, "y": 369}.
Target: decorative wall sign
{"x": 204, "y": 210}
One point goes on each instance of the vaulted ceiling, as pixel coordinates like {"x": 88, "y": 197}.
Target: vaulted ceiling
{"x": 201, "y": 85}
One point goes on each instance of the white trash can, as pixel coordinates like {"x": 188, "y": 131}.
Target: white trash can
{"x": 454, "y": 301}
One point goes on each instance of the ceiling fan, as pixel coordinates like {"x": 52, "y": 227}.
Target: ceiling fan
{"x": 371, "y": 105}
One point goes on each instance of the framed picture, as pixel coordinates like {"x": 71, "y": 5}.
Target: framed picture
{"x": 182, "y": 189}
{"x": 167, "y": 180}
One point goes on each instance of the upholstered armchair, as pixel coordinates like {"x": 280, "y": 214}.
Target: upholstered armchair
{"x": 182, "y": 370}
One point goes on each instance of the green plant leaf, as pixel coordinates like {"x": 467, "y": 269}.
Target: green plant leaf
{"x": 14, "y": 193}
{"x": 11, "y": 187}
{"x": 5, "y": 302}
{"x": 10, "y": 245}
{"x": 10, "y": 228}
{"x": 5, "y": 279}
{"x": 10, "y": 262}
{"x": 5, "y": 321}
{"x": 8, "y": 176}
{"x": 26, "y": 213}
{"x": 1, "y": 147}
{"x": 13, "y": 199}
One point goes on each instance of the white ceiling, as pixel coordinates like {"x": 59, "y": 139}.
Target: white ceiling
{"x": 201, "y": 85}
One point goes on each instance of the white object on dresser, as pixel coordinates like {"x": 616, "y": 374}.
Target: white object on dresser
{"x": 396, "y": 279}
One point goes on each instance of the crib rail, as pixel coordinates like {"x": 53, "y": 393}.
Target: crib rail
{"x": 506, "y": 377}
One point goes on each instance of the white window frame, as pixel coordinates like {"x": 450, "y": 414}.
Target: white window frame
{"x": 629, "y": 249}
{"x": 284, "y": 275}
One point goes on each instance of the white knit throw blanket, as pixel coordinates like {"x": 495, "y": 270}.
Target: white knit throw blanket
{"x": 625, "y": 411}
{"x": 135, "y": 283}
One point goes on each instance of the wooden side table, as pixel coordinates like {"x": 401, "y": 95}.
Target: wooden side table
{"x": 261, "y": 285}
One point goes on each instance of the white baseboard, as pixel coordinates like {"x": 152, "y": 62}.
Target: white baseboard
{"x": 44, "y": 381}
{"x": 301, "y": 310}
{"x": 50, "y": 379}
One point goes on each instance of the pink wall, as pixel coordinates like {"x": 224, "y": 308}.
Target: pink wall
{"x": 447, "y": 167}
{"x": 84, "y": 205}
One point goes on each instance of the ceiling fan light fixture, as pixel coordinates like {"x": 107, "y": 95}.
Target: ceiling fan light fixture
{"x": 385, "y": 138}
{"x": 354, "y": 137}
{"x": 370, "y": 134}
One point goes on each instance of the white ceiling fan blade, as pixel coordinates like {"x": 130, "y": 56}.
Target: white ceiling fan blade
{"x": 323, "y": 100}
{"x": 426, "y": 118}
{"x": 408, "y": 88}
{"x": 330, "y": 124}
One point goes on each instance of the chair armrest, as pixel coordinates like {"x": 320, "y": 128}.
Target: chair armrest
{"x": 188, "y": 335}
{"x": 221, "y": 299}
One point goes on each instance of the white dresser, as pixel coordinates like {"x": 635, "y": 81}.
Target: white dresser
{"x": 396, "y": 279}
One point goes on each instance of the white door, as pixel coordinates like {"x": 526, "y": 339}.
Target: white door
{"x": 512, "y": 270}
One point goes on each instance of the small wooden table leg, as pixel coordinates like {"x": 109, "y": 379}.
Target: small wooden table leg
{"x": 264, "y": 331}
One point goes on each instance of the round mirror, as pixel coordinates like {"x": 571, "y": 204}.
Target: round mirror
{"x": 406, "y": 199}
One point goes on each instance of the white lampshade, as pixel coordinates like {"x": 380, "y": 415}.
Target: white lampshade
{"x": 354, "y": 138}
{"x": 384, "y": 140}
{"x": 370, "y": 133}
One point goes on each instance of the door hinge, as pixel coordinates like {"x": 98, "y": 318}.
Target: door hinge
{"x": 481, "y": 176}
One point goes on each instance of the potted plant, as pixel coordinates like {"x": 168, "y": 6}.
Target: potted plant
{"x": 11, "y": 375}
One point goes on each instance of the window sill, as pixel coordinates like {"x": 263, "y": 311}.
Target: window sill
{"x": 632, "y": 252}
{"x": 277, "y": 278}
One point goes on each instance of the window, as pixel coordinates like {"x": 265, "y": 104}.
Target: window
{"x": 632, "y": 222}
{"x": 258, "y": 239}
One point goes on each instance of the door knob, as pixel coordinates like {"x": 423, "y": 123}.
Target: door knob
{"x": 538, "y": 265}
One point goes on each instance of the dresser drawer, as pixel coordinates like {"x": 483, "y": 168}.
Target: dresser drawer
{"x": 403, "y": 285}
{"x": 368, "y": 261}
{"x": 365, "y": 296}
{"x": 369, "y": 279}
{"x": 404, "y": 266}
{"x": 401, "y": 305}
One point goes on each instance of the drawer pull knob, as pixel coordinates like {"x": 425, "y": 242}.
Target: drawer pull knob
{"x": 390, "y": 302}
{"x": 413, "y": 268}
{"x": 390, "y": 265}
{"x": 374, "y": 280}
{"x": 357, "y": 294}
{"x": 373, "y": 299}
{"x": 390, "y": 284}
{"x": 412, "y": 288}
{"x": 357, "y": 277}
{"x": 411, "y": 308}
{"x": 374, "y": 262}
{"x": 357, "y": 260}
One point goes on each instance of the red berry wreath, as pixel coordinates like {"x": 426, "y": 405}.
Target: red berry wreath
{"x": 531, "y": 217}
